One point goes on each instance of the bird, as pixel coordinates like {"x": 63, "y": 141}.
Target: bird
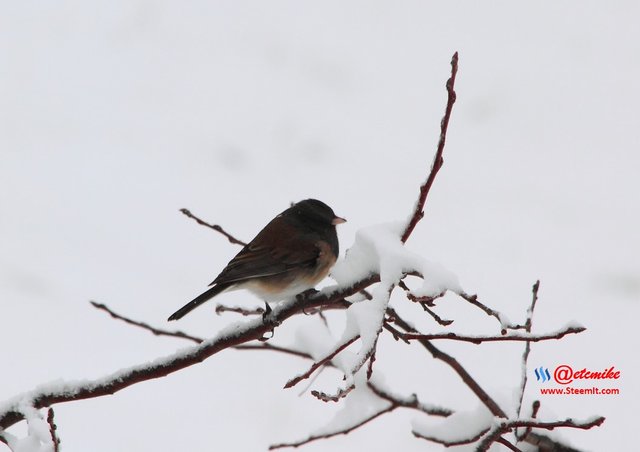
{"x": 290, "y": 255}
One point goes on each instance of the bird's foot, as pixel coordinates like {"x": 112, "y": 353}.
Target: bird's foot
{"x": 304, "y": 295}
{"x": 266, "y": 319}
{"x": 266, "y": 313}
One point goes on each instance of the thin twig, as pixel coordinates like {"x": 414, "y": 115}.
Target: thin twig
{"x": 425, "y": 302}
{"x": 146, "y": 326}
{"x": 215, "y": 227}
{"x": 527, "y": 346}
{"x": 344, "y": 431}
{"x": 397, "y": 335}
{"x": 435, "y": 316}
{"x": 221, "y": 308}
{"x": 372, "y": 359}
{"x": 52, "y": 430}
{"x": 418, "y": 211}
{"x": 508, "y": 337}
{"x": 409, "y": 402}
{"x": 449, "y": 443}
{"x": 535, "y": 406}
{"x": 507, "y": 444}
{"x": 294, "y": 381}
{"x": 342, "y": 393}
{"x": 473, "y": 299}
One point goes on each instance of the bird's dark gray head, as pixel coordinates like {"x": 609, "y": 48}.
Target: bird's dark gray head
{"x": 314, "y": 211}
{"x": 318, "y": 217}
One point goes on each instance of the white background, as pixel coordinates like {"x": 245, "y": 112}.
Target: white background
{"x": 113, "y": 115}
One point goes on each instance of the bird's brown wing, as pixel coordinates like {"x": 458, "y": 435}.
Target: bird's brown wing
{"x": 258, "y": 259}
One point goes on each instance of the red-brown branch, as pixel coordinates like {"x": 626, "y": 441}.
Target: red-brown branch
{"x": 535, "y": 406}
{"x": 341, "y": 394}
{"x": 345, "y": 431}
{"x": 508, "y": 337}
{"x": 394, "y": 403}
{"x": 484, "y": 397}
{"x": 450, "y": 443}
{"x": 221, "y": 308}
{"x": 146, "y": 326}
{"x": 52, "y": 431}
{"x": 294, "y": 381}
{"x": 253, "y": 330}
{"x": 527, "y": 346}
{"x": 418, "y": 211}
{"x": 411, "y": 402}
{"x": 508, "y": 426}
{"x": 473, "y": 299}
{"x": 490, "y": 435}
{"x": 215, "y": 227}
{"x": 507, "y": 444}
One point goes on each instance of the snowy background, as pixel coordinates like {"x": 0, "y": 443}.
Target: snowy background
{"x": 113, "y": 115}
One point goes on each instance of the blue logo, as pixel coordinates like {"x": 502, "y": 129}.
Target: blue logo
{"x": 543, "y": 374}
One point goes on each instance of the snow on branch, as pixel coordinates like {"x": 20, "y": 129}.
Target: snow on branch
{"x": 501, "y": 427}
{"x": 367, "y": 401}
{"x": 521, "y": 337}
{"x": 235, "y": 334}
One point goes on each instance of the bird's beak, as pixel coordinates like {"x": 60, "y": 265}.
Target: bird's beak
{"x": 338, "y": 220}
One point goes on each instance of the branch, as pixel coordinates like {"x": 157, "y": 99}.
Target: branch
{"x": 155, "y": 331}
{"x": 546, "y": 444}
{"x": 251, "y": 330}
{"x": 344, "y": 431}
{"x": 425, "y": 302}
{"x": 215, "y": 227}
{"x": 504, "y": 427}
{"x": 473, "y": 299}
{"x": 507, "y": 444}
{"x": 294, "y": 381}
{"x": 582, "y": 425}
{"x": 342, "y": 393}
{"x": 52, "y": 431}
{"x": 534, "y": 414}
{"x": 484, "y": 397}
{"x": 409, "y": 402}
{"x": 418, "y": 211}
{"x": 527, "y": 347}
{"x": 435, "y": 316}
{"x": 394, "y": 403}
{"x": 528, "y": 338}
{"x": 494, "y": 434}
{"x": 449, "y": 443}
{"x": 221, "y": 308}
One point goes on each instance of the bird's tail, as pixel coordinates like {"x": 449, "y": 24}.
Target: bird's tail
{"x": 187, "y": 308}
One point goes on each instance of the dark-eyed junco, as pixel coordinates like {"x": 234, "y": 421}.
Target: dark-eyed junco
{"x": 293, "y": 253}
